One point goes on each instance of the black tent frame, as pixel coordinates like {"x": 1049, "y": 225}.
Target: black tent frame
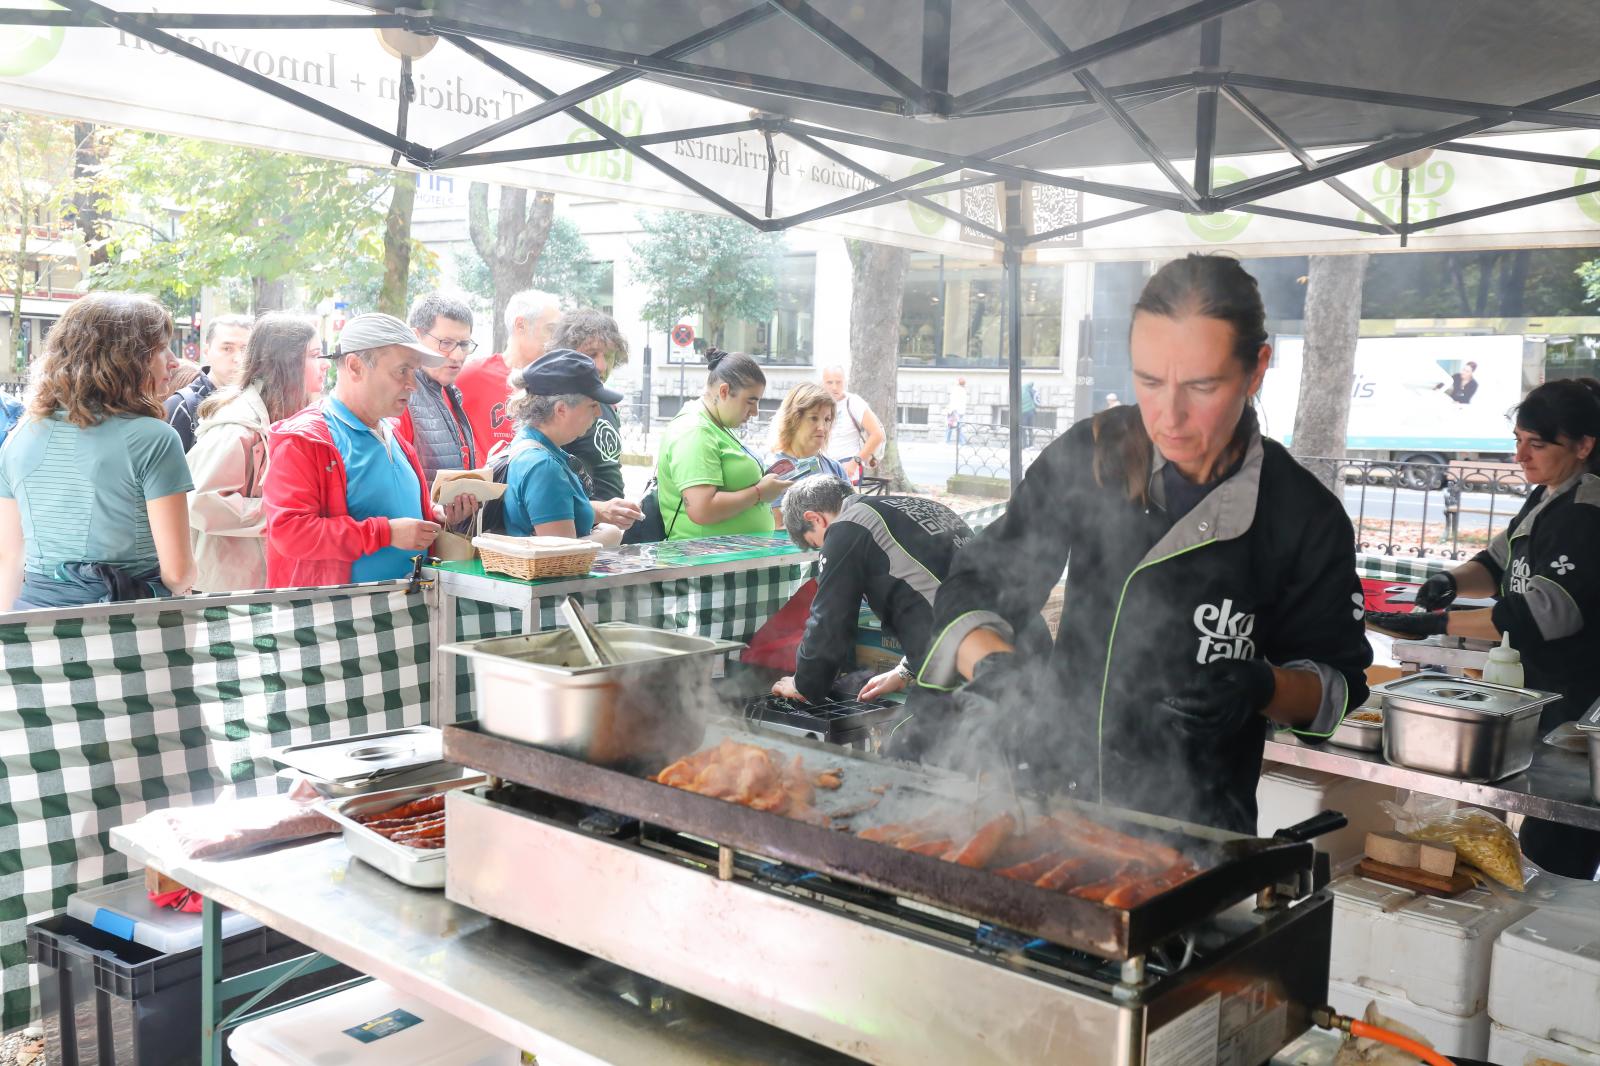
{"x": 928, "y": 94}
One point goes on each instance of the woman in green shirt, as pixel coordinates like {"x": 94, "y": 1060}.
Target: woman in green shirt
{"x": 709, "y": 483}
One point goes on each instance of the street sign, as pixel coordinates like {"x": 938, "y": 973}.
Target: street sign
{"x": 683, "y": 334}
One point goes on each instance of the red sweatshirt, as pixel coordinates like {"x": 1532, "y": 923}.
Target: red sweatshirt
{"x": 484, "y": 393}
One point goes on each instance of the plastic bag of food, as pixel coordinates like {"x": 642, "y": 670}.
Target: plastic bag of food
{"x": 1481, "y": 839}
{"x": 231, "y": 827}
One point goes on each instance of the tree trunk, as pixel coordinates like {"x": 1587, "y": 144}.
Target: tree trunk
{"x": 1514, "y": 283}
{"x": 268, "y": 294}
{"x": 1333, "y": 322}
{"x": 85, "y": 208}
{"x": 877, "y": 291}
{"x": 397, "y": 245}
{"x": 512, "y": 245}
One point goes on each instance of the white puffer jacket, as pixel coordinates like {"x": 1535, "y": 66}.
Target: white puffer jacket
{"x": 226, "y": 519}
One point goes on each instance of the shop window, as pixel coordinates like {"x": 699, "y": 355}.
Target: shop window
{"x": 787, "y": 338}
{"x": 954, "y": 314}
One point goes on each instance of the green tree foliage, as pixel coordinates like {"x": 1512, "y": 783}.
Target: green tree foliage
{"x": 36, "y": 186}
{"x": 711, "y": 265}
{"x": 566, "y": 268}
{"x": 1589, "y": 274}
{"x": 241, "y": 215}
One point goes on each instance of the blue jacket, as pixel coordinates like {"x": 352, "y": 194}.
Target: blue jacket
{"x": 10, "y": 414}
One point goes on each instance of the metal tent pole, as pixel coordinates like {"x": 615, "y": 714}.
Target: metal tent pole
{"x": 1011, "y": 260}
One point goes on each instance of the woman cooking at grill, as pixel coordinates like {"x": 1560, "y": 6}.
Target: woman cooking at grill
{"x": 1544, "y": 573}
{"x": 1212, "y": 592}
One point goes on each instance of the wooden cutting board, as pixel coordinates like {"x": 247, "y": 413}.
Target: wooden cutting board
{"x": 1416, "y": 880}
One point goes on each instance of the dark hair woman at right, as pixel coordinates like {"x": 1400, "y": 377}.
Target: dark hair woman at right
{"x": 282, "y": 372}
{"x": 1213, "y": 594}
{"x": 1543, "y": 572}
{"x": 709, "y": 483}
{"x": 93, "y": 485}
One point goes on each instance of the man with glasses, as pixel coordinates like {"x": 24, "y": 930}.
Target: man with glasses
{"x": 435, "y": 421}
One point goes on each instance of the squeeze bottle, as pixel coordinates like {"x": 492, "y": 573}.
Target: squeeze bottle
{"x": 1505, "y": 664}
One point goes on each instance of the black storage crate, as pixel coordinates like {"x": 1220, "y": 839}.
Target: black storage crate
{"x": 840, "y": 721}
{"x": 106, "y": 1001}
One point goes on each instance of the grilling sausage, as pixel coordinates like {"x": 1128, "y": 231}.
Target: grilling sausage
{"x": 426, "y": 805}
{"x": 984, "y": 843}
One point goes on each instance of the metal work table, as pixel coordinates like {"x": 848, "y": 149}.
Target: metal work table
{"x": 672, "y": 565}
{"x": 1555, "y": 787}
{"x": 564, "y": 1006}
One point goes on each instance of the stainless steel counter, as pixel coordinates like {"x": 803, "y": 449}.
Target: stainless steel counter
{"x": 565, "y": 1006}
{"x": 1555, "y": 787}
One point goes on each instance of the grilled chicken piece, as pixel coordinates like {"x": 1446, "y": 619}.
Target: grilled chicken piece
{"x": 828, "y": 779}
{"x": 977, "y": 851}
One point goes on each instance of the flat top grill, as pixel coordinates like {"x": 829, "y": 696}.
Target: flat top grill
{"x": 876, "y": 791}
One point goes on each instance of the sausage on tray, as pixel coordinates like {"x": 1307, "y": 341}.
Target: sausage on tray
{"x": 977, "y": 851}
{"x": 426, "y": 805}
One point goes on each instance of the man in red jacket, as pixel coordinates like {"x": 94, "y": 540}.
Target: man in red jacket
{"x": 484, "y": 381}
{"x": 344, "y": 495}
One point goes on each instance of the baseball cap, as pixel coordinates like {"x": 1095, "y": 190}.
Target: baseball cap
{"x": 563, "y": 372}
{"x": 378, "y": 330}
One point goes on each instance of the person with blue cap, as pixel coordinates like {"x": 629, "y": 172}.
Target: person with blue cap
{"x": 554, "y": 402}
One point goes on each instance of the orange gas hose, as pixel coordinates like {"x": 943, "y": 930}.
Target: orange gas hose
{"x": 1359, "y": 1028}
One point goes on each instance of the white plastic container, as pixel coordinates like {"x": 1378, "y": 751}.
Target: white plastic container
{"x": 1508, "y": 1047}
{"x": 1545, "y": 979}
{"x": 1286, "y": 795}
{"x": 123, "y": 909}
{"x": 1454, "y": 1036}
{"x": 371, "y": 1025}
{"x": 1433, "y": 952}
{"x": 1504, "y": 666}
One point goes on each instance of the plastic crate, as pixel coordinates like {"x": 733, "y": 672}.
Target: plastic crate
{"x": 107, "y": 1001}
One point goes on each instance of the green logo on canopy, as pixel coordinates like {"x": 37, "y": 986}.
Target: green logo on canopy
{"x": 24, "y": 49}
{"x": 1589, "y": 202}
{"x": 929, "y": 222}
{"x": 1225, "y": 225}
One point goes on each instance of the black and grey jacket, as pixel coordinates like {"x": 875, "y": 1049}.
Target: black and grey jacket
{"x": 598, "y": 457}
{"x": 1262, "y": 567}
{"x": 893, "y": 550}
{"x": 1546, "y": 565}
{"x": 440, "y": 429}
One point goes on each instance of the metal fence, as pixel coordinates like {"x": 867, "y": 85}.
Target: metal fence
{"x": 1424, "y": 510}
{"x": 983, "y": 449}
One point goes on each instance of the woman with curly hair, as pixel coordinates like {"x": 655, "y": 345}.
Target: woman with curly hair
{"x": 93, "y": 482}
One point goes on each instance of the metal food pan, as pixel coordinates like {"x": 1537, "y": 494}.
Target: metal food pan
{"x": 1357, "y": 735}
{"x": 1461, "y": 728}
{"x": 366, "y": 762}
{"x": 409, "y": 866}
{"x": 1589, "y": 726}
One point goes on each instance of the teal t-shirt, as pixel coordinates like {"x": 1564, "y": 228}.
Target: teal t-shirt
{"x": 379, "y": 482}
{"x": 541, "y": 487}
{"x": 697, "y": 451}
{"x": 81, "y": 492}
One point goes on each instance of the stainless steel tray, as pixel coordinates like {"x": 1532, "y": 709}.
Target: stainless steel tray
{"x": 358, "y": 764}
{"x": 542, "y": 689}
{"x": 1357, "y": 735}
{"x": 410, "y": 866}
{"x": 1459, "y": 727}
{"x": 1589, "y": 726}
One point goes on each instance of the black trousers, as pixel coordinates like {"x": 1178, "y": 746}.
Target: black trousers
{"x": 1562, "y": 849}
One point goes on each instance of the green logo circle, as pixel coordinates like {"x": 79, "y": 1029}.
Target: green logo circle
{"x": 1589, "y": 203}
{"x": 24, "y": 49}
{"x": 1225, "y": 225}
{"x": 929, "y": 222}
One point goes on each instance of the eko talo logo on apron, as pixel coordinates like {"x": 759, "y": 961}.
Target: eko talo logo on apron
{"x": 1521, "y": 576}
{"x": 1224, "y": 632}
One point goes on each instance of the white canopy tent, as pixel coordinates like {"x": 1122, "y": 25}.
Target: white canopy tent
{"x": 1260, "y": 127}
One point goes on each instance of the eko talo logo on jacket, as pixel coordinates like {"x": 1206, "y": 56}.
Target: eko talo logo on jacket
{"x": 1224, "y": 632}
{"x": 1521, "y": 576}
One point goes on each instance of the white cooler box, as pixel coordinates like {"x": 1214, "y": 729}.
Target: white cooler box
{"x": 1507, "y": 1047}
{"x": 1434, "y": 952}
{"x": 370, "y": 1025}
{"x": 1545, "y": 979}
{"x": 123, "y": 909}
{"x": 1454, "y": 1036}
{"x": 1286, "y": 795}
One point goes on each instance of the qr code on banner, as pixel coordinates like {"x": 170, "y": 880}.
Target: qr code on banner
{"x": 1054, "y": 207}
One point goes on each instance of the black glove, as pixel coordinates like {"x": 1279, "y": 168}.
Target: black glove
{"x": 1408, "y": 624}
{"x": 1005, "y": 690}
{"x": 1224, "y": 698}
{"x": 1438, "y": 592}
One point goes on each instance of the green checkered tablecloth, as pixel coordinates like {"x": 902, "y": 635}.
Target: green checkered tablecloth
{"x": 122, "y": 709}
{"x": 1406, "y": 568}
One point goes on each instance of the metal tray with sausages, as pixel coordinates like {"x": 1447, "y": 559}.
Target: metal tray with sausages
{"x": 420, "y": 867}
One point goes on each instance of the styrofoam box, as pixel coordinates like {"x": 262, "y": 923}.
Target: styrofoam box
{"x": 1545, "y": 978}
{"x": 124, "y": 909}
{"x": 1448, "y": 1033}
{"x": 1286, "y": 795}
{"x": 1434, "y": 952}
{"x": 315, "y": 1035}
{"x": 1508, "y": 1047}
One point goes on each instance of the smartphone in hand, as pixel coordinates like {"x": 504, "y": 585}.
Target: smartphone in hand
{"x": 783, "y": 469}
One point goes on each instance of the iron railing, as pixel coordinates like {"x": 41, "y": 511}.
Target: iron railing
{"x": 1424, "y": 510}
{"x": 983, "y": 449}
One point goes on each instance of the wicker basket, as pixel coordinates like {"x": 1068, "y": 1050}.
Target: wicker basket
{"x": 535, "y": 558}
